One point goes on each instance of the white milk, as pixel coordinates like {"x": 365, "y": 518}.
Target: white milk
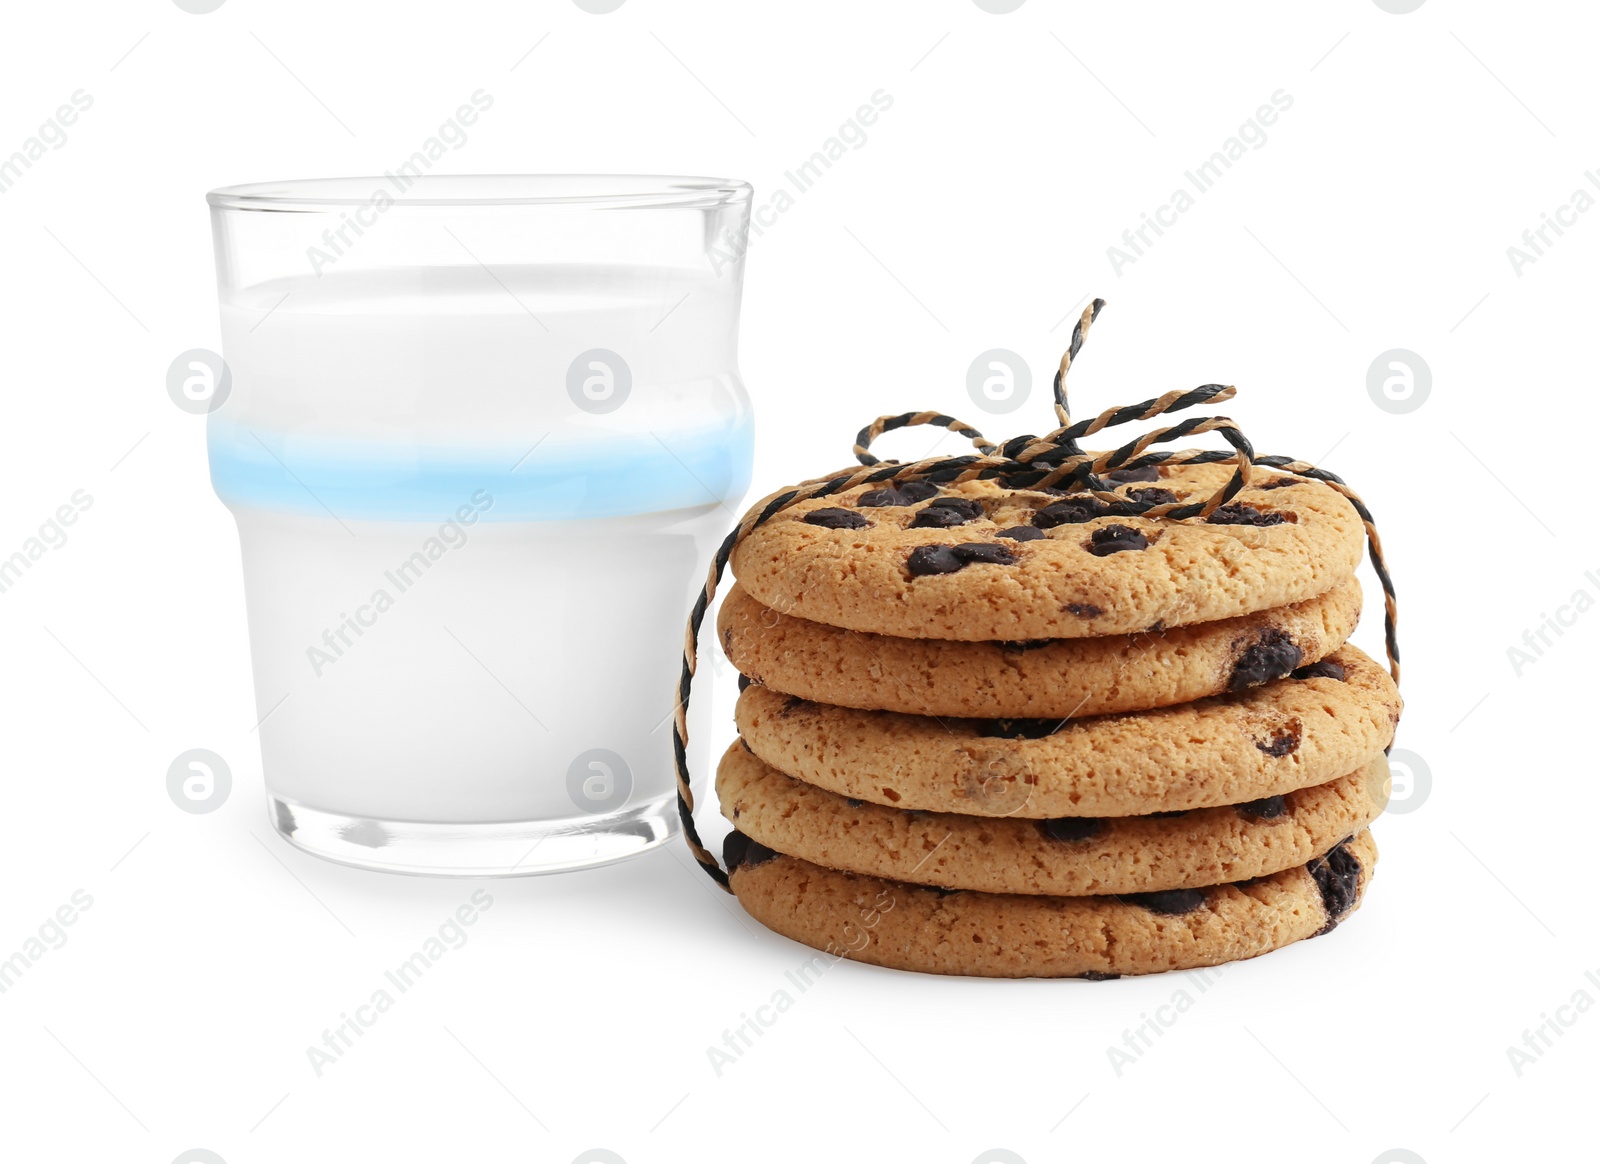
{"x": 466, "y": 591}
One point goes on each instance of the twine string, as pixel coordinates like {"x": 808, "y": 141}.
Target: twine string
{"x": 1054, "y": 462}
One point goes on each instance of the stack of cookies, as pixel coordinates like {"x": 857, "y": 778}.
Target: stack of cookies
{"x": 1009, "y": 732}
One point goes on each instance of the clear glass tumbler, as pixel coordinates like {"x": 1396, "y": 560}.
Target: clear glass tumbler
{"x": 482, "y": 436}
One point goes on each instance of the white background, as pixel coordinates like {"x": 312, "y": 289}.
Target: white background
{"x": 977, "y": 215}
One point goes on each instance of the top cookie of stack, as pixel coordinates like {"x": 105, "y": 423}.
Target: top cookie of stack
{"x": 1023, "y": 612}
{"x": 979, "y": 561}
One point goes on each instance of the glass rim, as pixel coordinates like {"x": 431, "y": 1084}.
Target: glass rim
{"x": 581, "y": 191}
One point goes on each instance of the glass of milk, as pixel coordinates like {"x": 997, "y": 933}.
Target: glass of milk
{"x": 481, "y": 438}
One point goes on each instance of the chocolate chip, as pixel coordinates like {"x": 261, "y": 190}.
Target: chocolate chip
{"x": 1267, "y": 808}
{"x": 1281, "y": 483}
{"x": 1069, "y": 511}
{"x": 744, "y": 681}
{"x": 1098, "y": 976}
{"x": 836, "y": 519}
{"x": 1338, "y": 878}
{"x": 946, "y": 512}
{"x": 1282, "y": 742}
{"x": 1084, "y": 609}
{"x": 1272, "y": 656}
{"x": 1326, "y": 669}
{"x": 989, "y": 553}
{"x": 1019, "y": 729}
{"x": 853, "y": 802}
{"x": 937, "y": 519}
{"x": 1152, "y": 496}
{"x": 738, "y": 849}
{"x": 1016, "y": 646}
{"x": 907, "y": 494}
{"x": 926, "y": 560}
{"x": 1172, "y": 902}
{"x": 1238, "y": 513}
{"x": 745, "y": 744}
{"x": 1125, "y": 476}
{"x": 1021, "y": 533}
{"x": 1071, "y": 828}
{"x": 1113, "y": 539}
{"x": 1168, "y": 815}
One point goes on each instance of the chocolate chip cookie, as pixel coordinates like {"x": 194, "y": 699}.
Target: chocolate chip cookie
{"x": 1293, "y": 733}
{"x": 1031, "y": 679}
{"x": 982, "y": 562}
{"x": 1006, "y": 935}
{"x": 1070, "y": 856}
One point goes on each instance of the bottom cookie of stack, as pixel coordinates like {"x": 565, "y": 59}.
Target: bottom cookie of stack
{"x": 1009, "y": 935}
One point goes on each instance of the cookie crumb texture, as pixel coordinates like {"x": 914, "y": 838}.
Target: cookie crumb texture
{"x": 1069, "y": 856}
{"x": 993, "y": 935}
{"x": 1031, "y": 679}
{"x": 1228, "y": 749}
{"x": 1300, "y": 540}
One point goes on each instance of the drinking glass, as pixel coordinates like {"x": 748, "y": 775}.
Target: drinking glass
{"x": 480, "y": 437}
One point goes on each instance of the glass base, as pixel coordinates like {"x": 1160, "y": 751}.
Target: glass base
{"x": 495, "y": 849}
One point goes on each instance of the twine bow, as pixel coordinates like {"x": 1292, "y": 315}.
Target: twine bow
{"x": 1051, "y": 461}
